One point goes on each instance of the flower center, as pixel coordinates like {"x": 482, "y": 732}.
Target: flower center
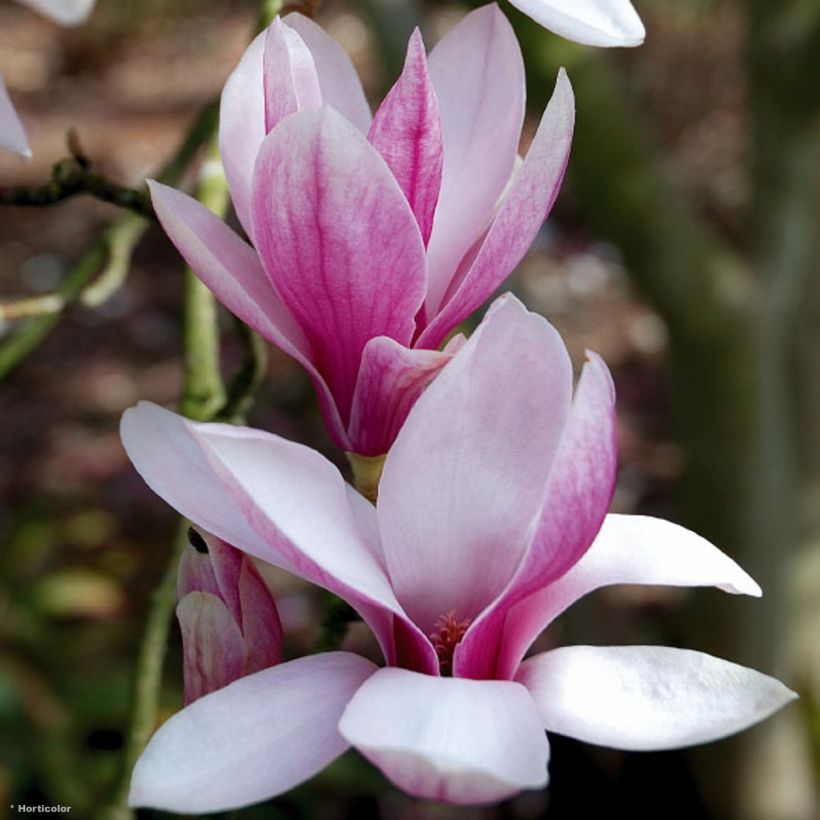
{"x": 447, "y": 634}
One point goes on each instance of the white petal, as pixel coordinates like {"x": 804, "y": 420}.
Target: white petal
{"x": 452, "y": 739}
{"x": 591, "y": 22}
{"x": 258, "y": 737}
{"x": 63, "y": 12}
{"x": 647, "y": 698}
{"x": 12, "y": 135}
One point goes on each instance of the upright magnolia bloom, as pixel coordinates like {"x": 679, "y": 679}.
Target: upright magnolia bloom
{"x": 591, "y": 22}
{"x": 229, "y": 621}
{"x": 372, "y": 237}
{"x": 491, "y": 520}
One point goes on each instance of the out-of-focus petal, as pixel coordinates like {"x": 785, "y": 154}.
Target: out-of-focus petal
{"x": 66, "y": 13}
{"x": 232, "y": 271}
{"x": 406, "y": 131}
{"x": 338, "y": 80}
{"x": 339, "y": 241}
{"x": 629, "y": 549}
{"x": 277, "y": 500}
{"x": 579, "y": 493}
{"x": 478, "y": 75}
{"x": 647, "y": 698}
{"x": 465, "y": 478}
{"x": 591, "y": 22}
{"x": 258, "y": 737}
{"x": 213, "y": 649}
{"x": 450, "y": 739}
{"x": 390, "y": 380}
{"x": 12, "y": 135}
{"x": 519, "y": 218}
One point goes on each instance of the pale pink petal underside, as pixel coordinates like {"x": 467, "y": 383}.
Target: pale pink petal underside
{"x": 465, "y": 478}
{"x": 647, "y": 698}
{"x": 449, "y": 739}
{"x": 252, "y": 740}
{"x": 406, "y": 131}
{"x": 261, "y": 627}
{"x": 519, "y": 218}
{"x": 478, "y": 74}
{"x": 591, "y": 22}
{"x": 338, "y": 240}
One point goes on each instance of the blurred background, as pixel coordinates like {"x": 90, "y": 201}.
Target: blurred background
{"x": 683, "y": 248}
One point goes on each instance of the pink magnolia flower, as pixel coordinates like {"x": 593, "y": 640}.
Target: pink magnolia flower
{"x": 591, "y": 22}
{"x": 373, "y": 237}
{"x": 228, "y": 618}
{"x": 491, "y": 520}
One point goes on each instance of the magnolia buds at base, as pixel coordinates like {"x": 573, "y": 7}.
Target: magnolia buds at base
{"x": 367, "y": 472}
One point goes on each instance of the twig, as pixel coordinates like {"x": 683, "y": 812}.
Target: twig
{"x": 73, "y": 176}
{"x": 246, "y": 380}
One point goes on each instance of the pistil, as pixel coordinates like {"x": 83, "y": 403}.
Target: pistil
{"x": 447, "y": 634}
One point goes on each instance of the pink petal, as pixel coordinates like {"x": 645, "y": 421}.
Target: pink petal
{"x": 12, "y": 135}
{"x": 213, "y": 649}
{"x": 257, "y": 738}
{"x": 290, "y": 80}
{"x": 279, "y": 501}
{"x": 647, "y": 698}
{"x": 579, "y": 493}
{"x": 390, "y": 380}
{"x": 520, "y": 217}
{"x": 66, "y": 13}
{"x": 339, "y": 83}
{"x": 406, "y": 131}
{"x": 592, "y": 22}
{"x": 261, "y": 627}
{"x": 450, "y": 739}
{"x": 629, "y": 549}
{"x": 338, "y": 240}
{"x": 242, "y": 126}
{"x": 466, "y": 475}
{"x": 478, "y": 75}
{"x": 231, "y": 269}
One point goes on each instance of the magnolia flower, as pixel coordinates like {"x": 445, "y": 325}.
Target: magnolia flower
{"x": 491, "y": 520}
{"x": 591, "y": 22}
{"x": 373, "y": 237}
{"x": 65, "y": 13}
{"x": 229, "y": 622}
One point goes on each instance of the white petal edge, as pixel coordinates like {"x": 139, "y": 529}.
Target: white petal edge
{"x": 12, "y": 134}
{"x": 647, "y": 698}
{"x": 258, "y": 737}
{"x": 451, "y": 739}
{"x": 604, "y": 23}
{"x": 66, "y": 13}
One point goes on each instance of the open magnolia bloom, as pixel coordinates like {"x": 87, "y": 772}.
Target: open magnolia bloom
{"x": 373, "y": 237}
{"x": 591, "y": 22}
{"x": 491, "y": 520}
{"x": 228, "y": 618}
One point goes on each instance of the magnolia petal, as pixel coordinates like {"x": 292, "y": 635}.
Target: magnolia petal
{"x": 216, "y": 572}
{"x": 242, "y": 126}
{"x": 629, "y": 549}
{"x": 406, "y": 131}
{"x": 338, "y": 240}
{"x": 390, "y": 380}
{"x": 339, "y": 83}
{"x": 258, "y": 737}
{"x": 591, "y": 22}
{"x": 520, "y": 217}
{"x": 578, "y": 496}
{"x": 466, "y": 475}
{"x": 232, "y": 271}
{"x": 261, "y": 627}
{"x": 647, "y": 698}
{"x": 450, "y": 739}
{"x": 66, "y": 13}
{"x": 478, "y": 74}
{"x": 212, "y": 645}
{"x": 276, "y": 500}
{"x": 12, "y": 135}
{"x": 290, "y": 80}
